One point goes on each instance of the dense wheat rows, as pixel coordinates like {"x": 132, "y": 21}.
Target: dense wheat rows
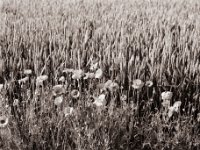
{"x": 100, "y": 74}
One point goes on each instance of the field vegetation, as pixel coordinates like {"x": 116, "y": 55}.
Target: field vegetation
{"x": 99, "y": 74}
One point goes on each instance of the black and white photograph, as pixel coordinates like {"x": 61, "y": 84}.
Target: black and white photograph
{"x": 99, "y": 74}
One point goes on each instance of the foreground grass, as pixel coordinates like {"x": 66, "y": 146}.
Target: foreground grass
{"x": 156, "y": 41}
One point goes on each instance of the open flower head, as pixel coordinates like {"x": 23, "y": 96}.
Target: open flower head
{"x": 27, "y": 71}
{"x": 68, "y": 111}
{"x": 94, "y": 66}
{"x": 58, "y": 89}
{"x": 167, "y": 95}
{"x": 16, "y": 102}
{"x": 137, "y": 84}
{"x": 198, "y": 117}
{"x": 166, "y": 103}
{"x": 41, "y": 79}
{"x": 123, "y": 97}
{"x": 113, "y": 86}
{"x": 149, "y": 83}
{"x": 99, "y": 74}
{"x": 89, "y": 75}
{"x": 170, "y": 111}
{"x": 77, "y": 74}
{"x": 107, "y": 84}
{"x": 23, "y": 80}
{"x": 68, "y": 70}
{"x": 100, "y": 100}
{"x": 75, "y": 94}
{"x": 1, "y": 87}
{"x": 58, "y": 100}
{"x": 3, "y": 121}
{"x": 62, "y": 79}
{"x": 177, "y": 106}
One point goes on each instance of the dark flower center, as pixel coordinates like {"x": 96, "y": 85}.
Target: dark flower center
{"x": 2, "y": 121}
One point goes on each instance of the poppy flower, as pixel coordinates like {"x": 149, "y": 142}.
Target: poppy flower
{"x": 98, "y": 74}
{"x": 41, "y": 79}
{"x": 177, "y": 105}
{"x": 171, "y": 111}
{"x": 107, "y": 84}
{"x": 3, "y": 121}
{"x": 100, "y": 101}
{"x": 58, "y": 89}
{"x": 16, "y": 102}
{"x": 94, "y": 66}
{"x": 23, "y": 80}
{"x": 58, "y": 100}
{"x": 149, "y": 83}
{"x": 68, "y": 111}
{"x": 113, "y": 86}
{"x": 123, "y": 97}
{"x": 77, "y": 74}
{"x": 137, "y": 84}
{"x": 75, "y": 94}
{"x": 89, "y": 75}
{"x": 68, "y": 70}
{"x": 62, "y": 79}
{"x": 166, "y": 95}
{"x": 27, "y": 71}
{"x": 166, "y": 103}
{"x": 1, "y": 87}
{"x": 198, "y": 117}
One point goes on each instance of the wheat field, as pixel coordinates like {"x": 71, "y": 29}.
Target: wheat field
{"x": 99, "y": 75}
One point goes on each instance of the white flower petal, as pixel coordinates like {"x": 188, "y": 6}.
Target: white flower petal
{"x": 98, "y": 74}
{"x": 166, "y": 95}
{"x": 137, "y": 84}
{"x": 58, "y": 100}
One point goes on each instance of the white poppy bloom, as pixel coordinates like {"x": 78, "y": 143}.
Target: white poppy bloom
{"x": 137, "y": 84}
{"x": 58, "y": 100}
{"x": 27, "y": 71}
{"x": 100, "y": 101}
{"x": 98, "y": 74}
{"x": 177, "y": 106}
{"x": 68, "y": 111}
{"x": 166, "y": 95}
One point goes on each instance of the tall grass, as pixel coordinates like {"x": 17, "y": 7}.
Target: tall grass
{"x": 148, "y": 40}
